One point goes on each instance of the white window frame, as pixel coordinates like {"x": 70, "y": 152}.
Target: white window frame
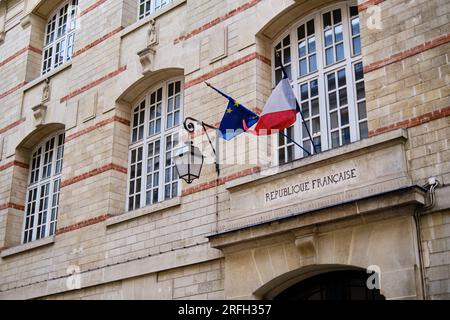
{"x": 53, "y": 195}
{"x": 320, "y": 74}
{"x": 153, "y": 6}
{"x": 64, "y": 41}
{"x": 147, "y": 139}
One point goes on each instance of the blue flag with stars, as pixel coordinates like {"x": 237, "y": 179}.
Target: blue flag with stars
{"x": 232, "y": 123}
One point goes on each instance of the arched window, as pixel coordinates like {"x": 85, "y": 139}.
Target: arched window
{"x": 155, "y": 134}
{"x": 322, "y": 55}
{"x": 43, "y": 188}
{"x": 147, "y": 7}
{"x": 59, "y": 36}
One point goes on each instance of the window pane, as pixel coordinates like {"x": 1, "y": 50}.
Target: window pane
{"x": 340, "y": 52}
{"x": 315, "y": 107}
{"x": 337, "y": 16}
{"x": 353, "y": 11}
{"x": 341, "y": 78}
{"x": 327, "y": 20}
{"x": 342, "y": 97}
{"x": 338, "y": 33}
{"x": 329, "y": 56}
{"x": 334, "y": 120}
{"x": 310, "y": 27}
{"x": 302, "y": 49}
{"x": 287, "y": 55}
{"x": 356, "y": 45}
{"x": 328, "y": 37}
{"x": 358, "y": 71}
{"x": 335, "y": 139}
{"x": 344, "y": 117}
{"x": 303, "y": 67}
{"x": 331, "y": 82}
{"x": 315, "y": 126}
{"x": 312, "y": 63}
{"x": 355, "y": 26}
{"x": 304, "y": 92}
{"x": 314, "y": 88}
{"x": 311, "y": 44}
{"x": 360, "y": 93}
{"x": 345, "y": 136}
{"x": 301, "y": 32}
{"x": 362, "y": 113}
{"x": 305, "y": 109}
{"x": 363, "y": 130}
{"x": 332, "y": 100}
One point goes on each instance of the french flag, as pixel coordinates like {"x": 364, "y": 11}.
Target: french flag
{"x": 280, "y": 111}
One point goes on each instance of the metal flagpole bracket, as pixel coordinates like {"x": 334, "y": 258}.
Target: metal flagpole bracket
{"x": 190, "y": 127}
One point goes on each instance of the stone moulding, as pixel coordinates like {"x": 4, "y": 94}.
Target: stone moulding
{"x": 27, "y": 247}
{"x": 127, "y": 216}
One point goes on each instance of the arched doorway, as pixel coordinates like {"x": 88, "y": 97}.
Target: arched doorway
{"x": 335, "y": 285}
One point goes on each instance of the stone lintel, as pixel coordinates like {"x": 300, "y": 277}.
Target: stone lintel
{"x": 378, "y": 203}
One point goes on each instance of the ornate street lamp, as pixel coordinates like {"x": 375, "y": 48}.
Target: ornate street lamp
{"x": 189, "y": 160}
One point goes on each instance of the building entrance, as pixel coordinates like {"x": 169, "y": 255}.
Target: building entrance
{"x": 336, "y": 285}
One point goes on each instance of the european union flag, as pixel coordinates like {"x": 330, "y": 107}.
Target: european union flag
{"x": 232, "y": 121}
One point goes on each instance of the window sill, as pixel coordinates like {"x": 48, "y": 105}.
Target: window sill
{"x": 28, "y": 246}
{"x": 48, "y": 75}
{"x": 309, "y": 163}
{"x": 127, "y": 216}
{"x": 154, "y": 15}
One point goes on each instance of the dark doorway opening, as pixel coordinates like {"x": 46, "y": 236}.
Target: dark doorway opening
{"x": 336, "y": 285}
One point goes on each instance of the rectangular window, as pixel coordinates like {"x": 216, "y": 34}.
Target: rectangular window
{"x": 309, "y": 97}
{"x": 43, "y": 189}
{"x": 44, "y": 194}
{"x": 307, "y": 48}
{"x": 360, "y": 94}
{"x": 153, "y": 172}
{"x": 330, "y": 90}
{"x": 339, "y": 121}
{"x": 156, "y": 100}
{"x": 59, "y": 36}
{"x": 35, "y": 166}
{"x": 283, "y": 50}
{"x": 135, "y": 184}
{"x": 62, "y": 21}
{"x": 138, "y": 122}
{"x": 355, "y": 30}
{"x": 55, "y": 204}
{"x": 147, "y": 7}
{"x": 48, "y": 157}
{"x": 286, "y": 146}
{"x": 30, "y": 215}
{"x": 170, "y": 172}
{"x": 51, "y": 25}
{"x": 333, "y": 37}
{"x": 173, "y": 104}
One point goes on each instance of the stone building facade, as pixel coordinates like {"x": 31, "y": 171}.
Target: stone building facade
{"x": 93, "y": 94}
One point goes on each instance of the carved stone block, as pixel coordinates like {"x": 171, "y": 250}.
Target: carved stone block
{"x": 307, "y": 245}
{"x": 146, "y": 57}
{"x": 39, "y": 112}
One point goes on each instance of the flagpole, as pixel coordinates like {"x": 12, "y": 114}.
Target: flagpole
{"x": 285, "y": 76}
{"x": 293, "y": 141}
